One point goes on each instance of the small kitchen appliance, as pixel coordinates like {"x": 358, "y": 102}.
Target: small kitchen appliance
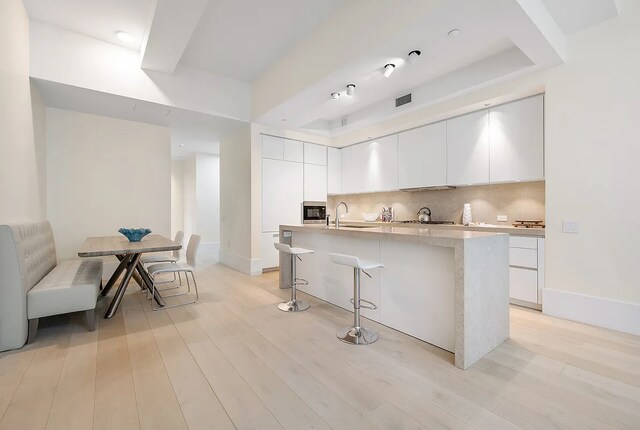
{"x": 314, "y": 212}
{"x": 424, "y": 215}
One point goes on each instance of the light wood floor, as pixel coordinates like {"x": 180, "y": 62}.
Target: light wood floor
{"x": 234, "y": 361}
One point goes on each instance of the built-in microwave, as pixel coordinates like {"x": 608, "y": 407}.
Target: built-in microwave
{"x": 314, "y": 212}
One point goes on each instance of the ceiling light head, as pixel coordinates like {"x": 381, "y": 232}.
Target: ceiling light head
{"x": 335, "y": 96}
{"x": 388, "y": 69}
{"x": 454, "y": 32}
{"x": 124, "y": 36}
{"x": 351, "y": 89}
{"x": 413, "y": 56}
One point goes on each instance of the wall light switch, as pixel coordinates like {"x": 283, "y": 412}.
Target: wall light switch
{"x": 570, "y": 226}
{"x": 286, "y": 234}
{"x": 502, "y": 218}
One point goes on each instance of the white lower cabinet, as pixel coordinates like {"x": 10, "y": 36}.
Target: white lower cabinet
{"x": 526, "y": 258}
{"x": 414, "y": 292}
{"x": 523, "y": 284}
{"x": 417, "y": 293}
{"x": 270, "y": 255}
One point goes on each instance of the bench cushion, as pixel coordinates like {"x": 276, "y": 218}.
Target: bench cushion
{"x": 27, "y": 254}
{"x": 70, "y": 287}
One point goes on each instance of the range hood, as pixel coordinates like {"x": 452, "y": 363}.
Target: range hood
{"x": 433, "y": 188}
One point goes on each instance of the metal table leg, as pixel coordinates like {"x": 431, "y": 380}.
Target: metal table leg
{"x": 132, "y": 261}
{"x": 116, "y": 274}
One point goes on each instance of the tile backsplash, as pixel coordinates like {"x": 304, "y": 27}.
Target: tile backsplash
{"x": 521, "y": 200}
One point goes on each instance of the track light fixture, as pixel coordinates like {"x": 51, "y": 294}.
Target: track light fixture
{"x": 413, "y": 56}
{"x": 335, "y": 96}
{"x": 388, "y": 69}
{"x": 351, "y": 89}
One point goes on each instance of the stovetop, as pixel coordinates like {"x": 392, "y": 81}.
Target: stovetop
{"x": 415, "y": 221}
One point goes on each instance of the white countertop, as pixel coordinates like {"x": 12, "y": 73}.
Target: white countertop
{"x": 516, "y": 231}
{"x": 435, "y": 236}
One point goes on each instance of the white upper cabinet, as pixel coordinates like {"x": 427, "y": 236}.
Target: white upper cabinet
{"x": 468, "y": 149}
{"x": 422, "y": 156}
{"x": 315, "y": 182}
{"x": 516, "y": 140}
{"x": 381, "y": 164}
{"x": 293, "y": 150}
{"x": 334, "y": 171}
{"x": 272, "y": 147}
{"x": 282, "y": 193}
{"x": 370, "y": 166}
{"x": 347, "y": 171}
{"x": 315, "y": 154}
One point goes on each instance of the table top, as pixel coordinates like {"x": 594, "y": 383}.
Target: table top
{"x": 118, "y": 245}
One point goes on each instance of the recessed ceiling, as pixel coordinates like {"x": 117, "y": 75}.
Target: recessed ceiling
{"x": 574, "y": 15}
{"x": 498, "y": 40}
{"x": 297, "y": 52}
{"x": 198, "y": 132}
{"x": 100, "y": 19}
{"x": 240, "y": 39}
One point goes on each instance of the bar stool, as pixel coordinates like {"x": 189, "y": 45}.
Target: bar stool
{"x": 356, "y": 334}
{"x": 293, "y": 305}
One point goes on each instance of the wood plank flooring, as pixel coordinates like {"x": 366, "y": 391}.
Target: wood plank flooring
{"x": 233, "y": 360}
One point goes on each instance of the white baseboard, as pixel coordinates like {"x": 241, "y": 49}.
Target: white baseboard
{"x": 607, "y": 313}
{"x": 251, "y": 267}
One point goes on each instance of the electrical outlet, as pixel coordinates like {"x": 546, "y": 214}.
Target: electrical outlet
{"x": 570, "y": 226}
{"x": 502, "y": 218}
{"x": 286, "y": 234}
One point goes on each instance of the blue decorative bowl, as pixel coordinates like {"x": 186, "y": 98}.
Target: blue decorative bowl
{"x": 134, "y": 234}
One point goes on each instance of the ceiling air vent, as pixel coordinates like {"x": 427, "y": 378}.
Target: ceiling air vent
{"x": 400, "y": 101}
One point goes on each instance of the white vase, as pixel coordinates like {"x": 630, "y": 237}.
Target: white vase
{"x": 466, "y": 214}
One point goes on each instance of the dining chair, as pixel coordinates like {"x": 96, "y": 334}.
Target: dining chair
{"x": 163, "y": 257}
{"x": 188, "y": 268}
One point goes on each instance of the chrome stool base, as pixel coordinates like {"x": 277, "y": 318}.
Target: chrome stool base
{"x": 355, "y": 336}
{"x": 294, "y": 306}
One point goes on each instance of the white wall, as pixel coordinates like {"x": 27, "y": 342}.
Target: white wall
{"x": 103, "y": 174}
{"x": 208, "y": 197}
{"x": 189, "y": 201}
{"x": 22, "y": 119}
{"x": 592, "y": 153}
{"x": 200, "y": 199}
{"x": 236, "y": 202}
{"x": 177, "y": 183}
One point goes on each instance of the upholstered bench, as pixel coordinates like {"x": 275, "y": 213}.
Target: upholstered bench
{"x": 33, "y": 285}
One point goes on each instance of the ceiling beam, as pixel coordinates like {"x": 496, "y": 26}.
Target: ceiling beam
{"x": 546, "y": 44}
{"x": 171, "y": 28}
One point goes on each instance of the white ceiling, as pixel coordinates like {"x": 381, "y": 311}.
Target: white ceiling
{"x": 500, "y": 35}
{"x": 96, "y": 18}
{"x": 240, "y": 39}
{"x": 198, "y": 132}
{"x": 574, "y": 15}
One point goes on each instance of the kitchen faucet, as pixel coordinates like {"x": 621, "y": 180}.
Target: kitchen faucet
{"x": 337, "y": 216}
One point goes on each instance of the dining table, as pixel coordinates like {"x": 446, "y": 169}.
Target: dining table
{"x": 128, "y": 253}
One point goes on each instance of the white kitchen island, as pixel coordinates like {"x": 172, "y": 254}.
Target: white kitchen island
{"x": 449, "y": 288}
